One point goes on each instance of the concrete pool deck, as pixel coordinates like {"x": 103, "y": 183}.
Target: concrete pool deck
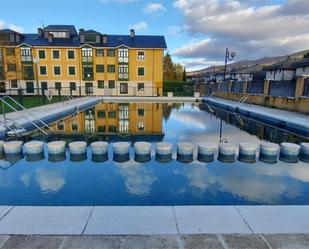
{"x": 153, "y": 220}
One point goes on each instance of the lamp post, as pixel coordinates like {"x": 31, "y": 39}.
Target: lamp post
{"x": 228, "y": 57}
{"x": 36, "y": 62}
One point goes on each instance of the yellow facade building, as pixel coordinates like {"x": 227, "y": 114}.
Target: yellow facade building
{"x": 63, "y": 61}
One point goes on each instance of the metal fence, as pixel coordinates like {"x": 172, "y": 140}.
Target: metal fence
{"x": 237, "y": 86}
{"x": 255, "y": 87}
{"x": 224, "y": 87}
{"x": 285, "y": 88}
{"x": 306, "y": 88}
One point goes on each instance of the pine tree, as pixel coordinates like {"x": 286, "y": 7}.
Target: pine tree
{"x": 184, "y": 75}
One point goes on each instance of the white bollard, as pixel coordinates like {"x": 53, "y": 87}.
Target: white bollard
{"x": 226, "y": 152}
{"x": 121, "y": 151}
{"x": 164, "y": 151}
{"x": 99, "y": 151}
{"x": 78, "y": 151}
{"x": 56, "y": 151}
{"x": 289, "y": 152}
{"x": 34, "y": 150}
{"x": 247, "y": 152}
{"x": 1, "y": 147}
{"x": 142, "y": 151}
{"x": 304, "y": 152}
{"x": 268, "y": 152}
{"x": 13, "y": 150}
{"x": 184, "y": 152}
{"x": 206, "y": 152}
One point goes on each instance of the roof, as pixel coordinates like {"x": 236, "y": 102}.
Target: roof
{"x": 8, "y": 31}
{"x": 139, "y": 41}
{"x": 302, "y": 63}
{"x": 60, "y": 27}
{"x": 287, "y": 64}
{"x": 90, "y": 31}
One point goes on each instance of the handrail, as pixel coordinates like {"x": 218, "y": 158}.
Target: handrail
{"x": 3, "y": 101}
{"x": 25, "y": 109}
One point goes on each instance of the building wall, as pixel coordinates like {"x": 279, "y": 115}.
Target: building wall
{"x": 280, "y": 74}
{"x": 302, "y": 71}
{"x": 153, "y": 78}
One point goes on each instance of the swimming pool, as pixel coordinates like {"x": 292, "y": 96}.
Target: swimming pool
{"x": 154, "y": 183}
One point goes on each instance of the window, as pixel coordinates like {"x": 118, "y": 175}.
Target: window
{"x": 25, "y": 54}
{"x": 111, "y": 52}
{"x": 72, "y": 86}
{"x": 100, "y": 68}
{"x": 90, "y": 38}
{"x": 140, "y": 86}
{"x": 43, "y": 70}
{"x": 71, "y": 70}
{"x": 42, "y": 54}
{"x": 101, "y": 114}
{"x": 101, "y": 128}
{"x": 60, "y": 126}
{"x": 112, "y": 114}
{"x": 111, "y": 84}
{"x": 87, "y": 72}
{"x": 140, "y": 126}
{"x": 11, "y": 67}
{"x": 44, "y": 85}
{"x": 14, "y": 84}
{"x": 123, "y": 88}
{"x": 4, "y": 38}
{"x": 10, "y": 51}
{"x": 87, "y": 54}
{"x": 74, "y": 126}
{"x": 112, "y": 128}
{"x": 89, "y": 88}
{"x": 58, "y": 85}
{"x": 123, "y": 55}
{"x": 99, "y": 52}
{"x": 29, "y": 87}
{"x": 111, "y": 68}
{"x": 2, "y": 87}
{"x": 59, "y": 34}
{"x": 140, "y": 112}
{"x": 71, "y": 54}
{"x": 57, "y": 70}
{"x": 123, "y": 72}
{"x": 141, "y": 55}
{"x": 28, "y": 72}
{"x": 141, "y": 71}
{"x": 56, "y": 54}
{"x": 100, "y": 84}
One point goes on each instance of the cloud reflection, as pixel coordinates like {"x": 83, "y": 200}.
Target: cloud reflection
{"x": 50, "y": 180}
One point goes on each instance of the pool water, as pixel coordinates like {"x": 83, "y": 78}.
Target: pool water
{"x": 154, "y": 183}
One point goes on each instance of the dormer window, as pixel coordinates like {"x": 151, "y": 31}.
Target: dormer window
{"x": 59, "y": 34}
{"x": 90, "y": 38}
{"x": 25, "y": 54}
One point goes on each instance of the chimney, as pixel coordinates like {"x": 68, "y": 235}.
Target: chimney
{"x": 40, "y": 32}
{"x": 50, "y": 37}
{"x": 104, "y": 39}
{"x": 132, "y": 33}
{"x": 81, "y": 31}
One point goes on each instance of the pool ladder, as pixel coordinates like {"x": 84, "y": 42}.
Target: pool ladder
{"x": 17, "y": 129}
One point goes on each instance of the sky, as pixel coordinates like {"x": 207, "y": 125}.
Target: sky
{"x": 196, "y": 31}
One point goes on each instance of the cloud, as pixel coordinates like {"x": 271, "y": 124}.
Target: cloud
{"x": 4, "y": 25}
{"x": 154, "y": 8}
{"x": 141, "y": 26}
{"x": 252, "y": 28}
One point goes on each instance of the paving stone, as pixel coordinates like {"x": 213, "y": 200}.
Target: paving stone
{"x": 288, "y": 241}
{"x": 3, "y": 239}
{"x": 276, "y": 219}
{"x": 244, "y": 242}
{"x": 209, "y": 220}
{"x": 198, "y": 241}
{"x": 150, "y": 242}
{"x": 33, "y": 242}
{"x": 45, "y": 220}
{"x": 4, "y": 210}
{"x": 131, "y": 220}
{"x": 92, "y": 242}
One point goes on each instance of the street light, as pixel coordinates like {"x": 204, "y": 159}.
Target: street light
{"x": 36, "y": 62}
{"x": 228, "y": 57}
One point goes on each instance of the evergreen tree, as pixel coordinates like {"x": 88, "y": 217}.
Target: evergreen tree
{"x": 168, "y": 67}
{"x": 184, "y": 75}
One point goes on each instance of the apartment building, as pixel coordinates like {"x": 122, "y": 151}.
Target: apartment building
{"x": 60, "y": 60}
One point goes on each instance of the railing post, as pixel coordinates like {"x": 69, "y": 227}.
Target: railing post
{"x": 266, "y": 88}
{"x": 299, "y": 89}
{"x": 244, "y": 87}
{"x": 230, "y": 82}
